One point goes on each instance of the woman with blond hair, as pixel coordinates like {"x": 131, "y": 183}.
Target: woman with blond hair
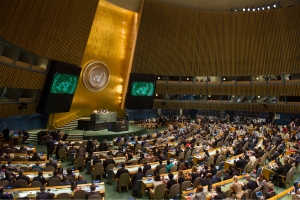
{"x": 237, "y": 187}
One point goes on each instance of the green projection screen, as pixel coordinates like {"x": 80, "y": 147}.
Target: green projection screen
{"x": 140, "y": 88}
{"x": 64, "y": 84}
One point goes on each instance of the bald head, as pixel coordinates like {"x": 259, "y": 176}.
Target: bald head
{"x": 248, "y": 177}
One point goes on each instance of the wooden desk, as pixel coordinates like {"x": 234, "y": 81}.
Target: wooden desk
{"x": 46, "y": 175}
{"x": 225, "y": 186}
{"x": 230, "y": 162}
{"x": 147, "y": 182}
{"x": 31, "y": 163}
{"x": 29, "y": 149}
{"x": 283, "y": 195}
{"x": 134, "y": 168}
{"x": 24, "y": 155}
{"x": 54, "y": 189}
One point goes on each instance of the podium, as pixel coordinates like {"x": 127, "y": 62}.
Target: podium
{"x": 97, "y": 121}
{"x": 118, "y": 126}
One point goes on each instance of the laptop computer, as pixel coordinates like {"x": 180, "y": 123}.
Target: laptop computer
{"x": 259, "y": 194}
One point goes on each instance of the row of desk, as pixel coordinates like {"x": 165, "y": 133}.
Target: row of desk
{"x": 32, "y": 192}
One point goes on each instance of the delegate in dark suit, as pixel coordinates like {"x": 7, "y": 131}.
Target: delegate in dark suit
{"x": 146, "y": 168}
{"x": 137, "y": 176}
{"x": 45, "y": 195}
{"x": 90, "y": 193}
{"x": 252, "y": 185}
{"x": 241, "y": 163}
{"x": 121, "y": 171}
{"x": 220, "y": 196}
{"x": 50, "y": 148}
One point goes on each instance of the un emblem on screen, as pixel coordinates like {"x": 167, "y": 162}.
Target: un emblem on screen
{"x": 95, "y": 76}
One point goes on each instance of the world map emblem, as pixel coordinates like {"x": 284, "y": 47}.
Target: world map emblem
{"x": 95, "y": 76}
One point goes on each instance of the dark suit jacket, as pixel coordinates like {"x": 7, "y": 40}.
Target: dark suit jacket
{"x": 50, "y": 146}
{"x": 121, "y": 171}
{"x": 81, "y": 182}
{"x": 220, "y": 196}
{"x": 52, "y": 164}
{"x": 136, "y": 176}
{"x": 26, "y": 178}
{"x": 107, "y": 162}
{"x": 4, "y": 196}
{"x": 252, "y": 185}
{"x": 226, "y": 177}
{"x": 45, "y": 195}
{"x": 240, "y": 163}
{"x": 65, "y": 183}
{"x": 158, "y": 167}
{"x": 89, "y": 194}
{"x": 40, "y": 179}
{"x": 170, "y": 183}
{"x": 102, "y": 146}
{"x": 146, "y": 168}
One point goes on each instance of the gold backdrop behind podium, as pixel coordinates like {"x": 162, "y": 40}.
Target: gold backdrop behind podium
{"x": 110, "y": 41}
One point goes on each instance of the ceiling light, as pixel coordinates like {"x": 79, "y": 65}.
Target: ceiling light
{"x": 274, "y": 6}
{"x": 236, "y": 10}
{"x": 158, "y": 78}
{"x": 248, "y": 9}
{"x": 258, "y": 9}
{"x": 224, "y": 79}
{"x": 187, "y": 79}
{"x": 156, "y": 95}
{"x": 263, "y": 7}
{"x": 268, "y": 7}
{"x": 258, "y": 96}
{"x": 244, "y": 9}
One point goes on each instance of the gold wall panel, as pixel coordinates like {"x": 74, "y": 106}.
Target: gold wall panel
{"x": 55, "y": 29}
{"x": 181, "y": 42}
{"x": 9, "y": 110}
{"x": 13, "y": 77}
{"x": 110, "y": 42}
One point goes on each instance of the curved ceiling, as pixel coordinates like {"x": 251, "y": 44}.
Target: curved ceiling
{"x": 206, "y": 5}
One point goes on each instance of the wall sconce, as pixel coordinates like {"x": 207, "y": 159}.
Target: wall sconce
{"x": 224, "y": 79}
{"x": 187, "y": 79}
{"x": 156, "y": 95}
{"x": 158, "y": 78}
{"x": 258, "y": 96}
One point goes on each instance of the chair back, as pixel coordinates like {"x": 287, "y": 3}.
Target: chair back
{"x": 138, "y": 185}
{"x": 210, "y": 160}
{"x": 17, "y": 158}
{"x": 49, "y": 169}
{"x": 36, "y": 184}
{"x": 79, "y": 162}
{"x": 228, "y": 193}
{"x": 63, "y": 196}
{"x": 219, "y": 173}
{"x": 54, "y": 182}
{"x": 36, "y": 170}
{"x": 148, "y": 172}
{"x": 95, "y": 196}
{"x": 4, "y": 183}
{"x": 253, "y": 196}
{"x": 110, "y": 173}
{"x": 62, "y": 153}
{"x": 245, "y": 147}
{"x": 110, "y": 166}
{"x": 134, "y": 162}
{"x": 72, "y": 157}
{"x": 22, "y": 183}
{"x": 201, "y": 149}
{"x": 79, "y": 194}
{"x": 219, "y": 144}
{"x": 173, "y": 169}
{"x": 124, "y": 180}
{"x": 218, "y": 160}
{"x": 71, "y": 179}
{"x": 185, "y": 185}
{"x": 187, "y": 155}
{"x": 197, "y": 182}
{"x": 254, "y": 164}
{"x": 265, "y": 189}
{"x": 25, "y": 169}
{"x": 159, "y": 191}
{"x": 258, "y": 172}
{"x": 174, "y": 190}
{"x": 181, "y": 155}
{"x": 221, "y": 166}
{"x": 119, "y": 155}
{"x": 138, "y": 147}
{"x": 181, "y": 166}
{"x": 247, "y": 168}
{"x": 98, "y": 169}
{"x": 193, "y": 152}
{"x": 162, "y": 170}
